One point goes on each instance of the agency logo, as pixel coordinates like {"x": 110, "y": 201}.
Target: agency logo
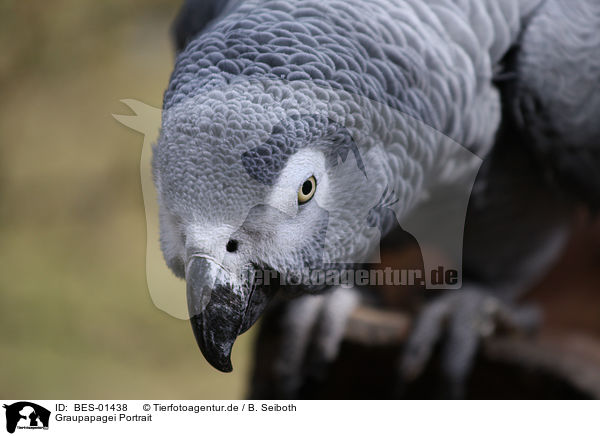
{"x": 24, "y": 415}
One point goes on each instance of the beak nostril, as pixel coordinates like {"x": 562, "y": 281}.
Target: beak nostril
{"x": 232, "y": 246}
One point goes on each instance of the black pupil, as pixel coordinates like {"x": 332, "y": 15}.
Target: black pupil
{"x": 232, "y": 246}
{"x": 307, "y": 187}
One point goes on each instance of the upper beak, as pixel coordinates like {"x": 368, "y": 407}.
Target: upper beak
{"x": 221, "y": 307}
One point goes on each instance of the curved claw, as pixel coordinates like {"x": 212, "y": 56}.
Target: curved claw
{"x": 462, "y": 319}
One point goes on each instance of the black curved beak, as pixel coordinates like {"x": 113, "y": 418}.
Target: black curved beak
{"x": 221, "y": 307}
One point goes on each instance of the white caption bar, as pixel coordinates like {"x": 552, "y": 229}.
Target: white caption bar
{"x": 299, "y": 417}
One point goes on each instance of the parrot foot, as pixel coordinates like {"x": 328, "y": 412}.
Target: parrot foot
{"x": 462, "y": 319}
{"x": 329, "y": 330}
{"x": 312, "y": 328}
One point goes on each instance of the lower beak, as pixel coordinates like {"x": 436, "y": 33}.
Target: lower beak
{"x": 221, "y": 307}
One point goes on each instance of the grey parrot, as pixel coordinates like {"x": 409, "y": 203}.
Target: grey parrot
{"x": 297, "y": 134}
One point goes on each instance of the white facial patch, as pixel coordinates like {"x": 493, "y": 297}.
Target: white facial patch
{"x": 300, "y": 167}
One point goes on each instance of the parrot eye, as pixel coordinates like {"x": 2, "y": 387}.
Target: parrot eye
{"x": 307, "y": 190}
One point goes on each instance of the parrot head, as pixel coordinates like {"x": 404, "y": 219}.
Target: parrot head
{"x": 255, "y": 176}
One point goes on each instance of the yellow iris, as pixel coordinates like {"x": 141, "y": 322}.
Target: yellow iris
{"x": 307, "y": 190}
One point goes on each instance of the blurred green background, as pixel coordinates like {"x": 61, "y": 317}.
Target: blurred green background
{"x": 76, "y": 319}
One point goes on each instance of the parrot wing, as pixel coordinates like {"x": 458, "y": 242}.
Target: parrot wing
{"x": 553, "y": 99}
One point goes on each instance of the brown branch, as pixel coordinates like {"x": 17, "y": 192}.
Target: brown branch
{"x": 572, "y": 358}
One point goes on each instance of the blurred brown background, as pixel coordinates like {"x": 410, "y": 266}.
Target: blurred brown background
{"x": 76, "y": 319}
